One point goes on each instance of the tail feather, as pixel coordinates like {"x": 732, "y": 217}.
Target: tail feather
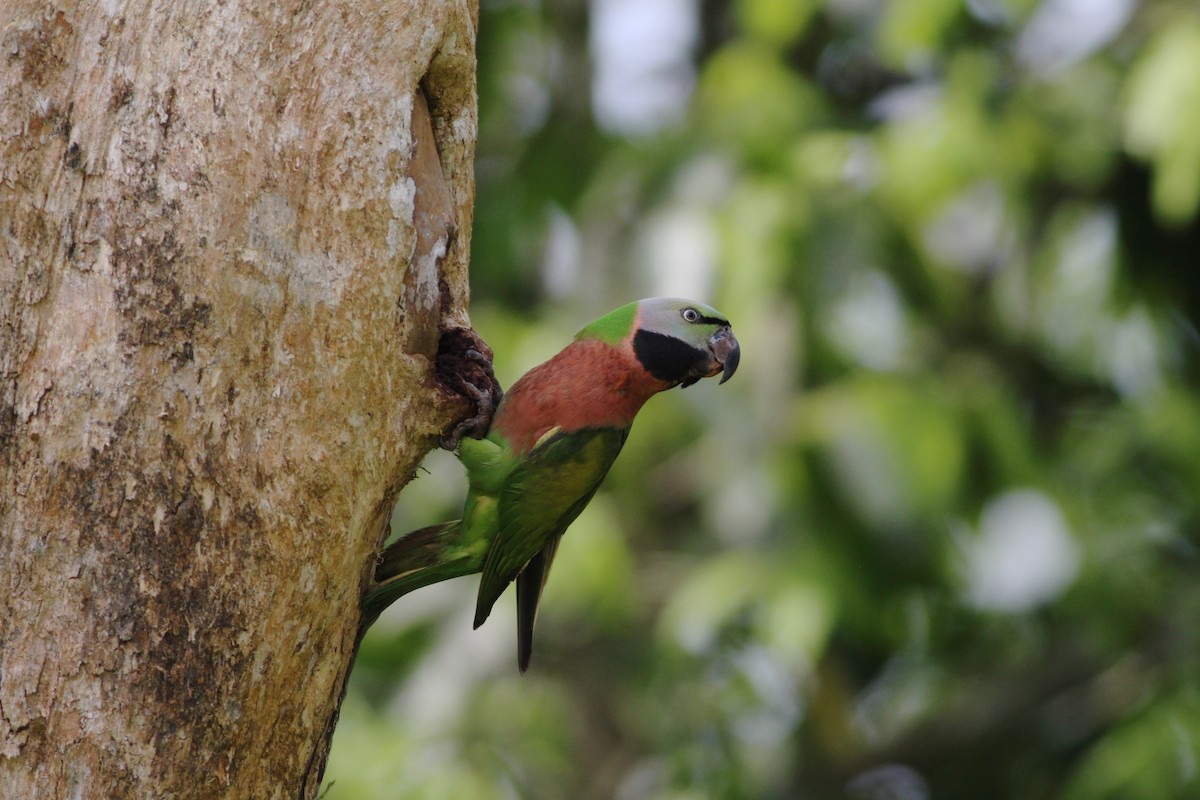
{"x": 530, "y": 583}
{"x": 419, "y": 548}
{"x": 414, "y": 560}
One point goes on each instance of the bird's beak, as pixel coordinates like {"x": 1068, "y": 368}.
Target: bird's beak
{"x": 724, "y": 348}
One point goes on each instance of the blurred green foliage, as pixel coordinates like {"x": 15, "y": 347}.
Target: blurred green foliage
{"x": 938, "y": 539}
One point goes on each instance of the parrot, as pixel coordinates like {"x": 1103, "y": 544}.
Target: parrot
{"x": 558, "y": 430}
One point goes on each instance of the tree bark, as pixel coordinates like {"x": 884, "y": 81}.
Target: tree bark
{"x": 230, "y": 234}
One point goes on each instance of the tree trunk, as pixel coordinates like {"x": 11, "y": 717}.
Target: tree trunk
{"x": 229, "y": 236}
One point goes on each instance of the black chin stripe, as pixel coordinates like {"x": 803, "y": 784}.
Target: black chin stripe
{"x": 665, "y": 357}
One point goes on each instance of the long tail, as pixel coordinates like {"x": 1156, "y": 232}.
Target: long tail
{"x": 420, "y": 558}
{"x": 530, "y": 583}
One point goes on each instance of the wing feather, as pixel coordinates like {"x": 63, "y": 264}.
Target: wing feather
{"x": 540, "y": 498}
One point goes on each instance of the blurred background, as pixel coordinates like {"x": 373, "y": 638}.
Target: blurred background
{"x": 938, "y": 538}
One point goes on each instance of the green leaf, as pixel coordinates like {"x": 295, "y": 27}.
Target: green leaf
{"x": 1162, "y": 117}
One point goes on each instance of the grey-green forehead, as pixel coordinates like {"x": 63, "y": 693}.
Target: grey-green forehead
{"x": 663, "y": 310}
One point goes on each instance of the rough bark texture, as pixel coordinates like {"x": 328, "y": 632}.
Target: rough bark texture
{"x": 229, "y": 234}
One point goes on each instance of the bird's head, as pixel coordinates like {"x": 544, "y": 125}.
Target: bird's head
{"x": 675, "y": 340}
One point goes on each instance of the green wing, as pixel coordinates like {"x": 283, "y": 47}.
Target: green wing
{"x": 540, "y": 498}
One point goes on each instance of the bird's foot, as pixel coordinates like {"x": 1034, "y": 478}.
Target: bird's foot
{"x": 464, "y": 366}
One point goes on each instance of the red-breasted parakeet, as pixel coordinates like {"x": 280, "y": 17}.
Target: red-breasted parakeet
{"x": 560, "y": 427}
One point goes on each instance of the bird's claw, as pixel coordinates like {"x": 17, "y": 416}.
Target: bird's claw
{"x": 474, "y": 426}
{"x": 473, "y": 355}
{"x": 464, "y": 365}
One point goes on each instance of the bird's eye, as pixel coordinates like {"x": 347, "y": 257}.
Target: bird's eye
{"x": 691, "y": 314}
